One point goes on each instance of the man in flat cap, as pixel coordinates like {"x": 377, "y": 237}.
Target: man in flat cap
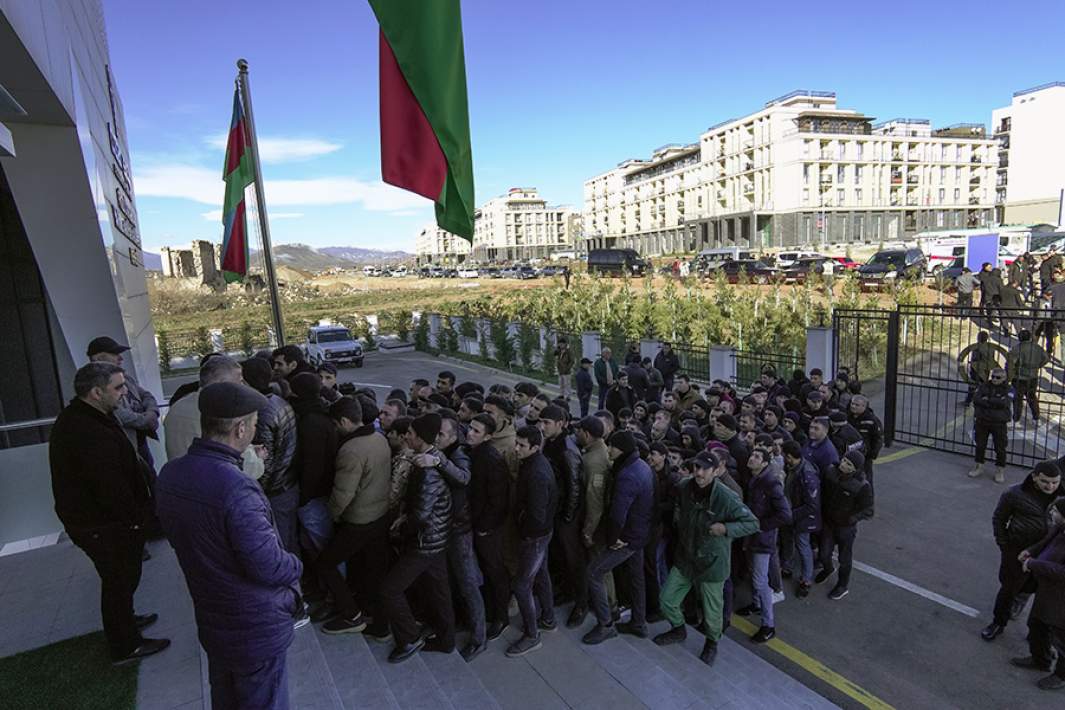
{"x": 244, "y": 585}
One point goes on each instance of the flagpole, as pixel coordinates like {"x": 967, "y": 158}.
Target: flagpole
{"x": 260, "y": 203}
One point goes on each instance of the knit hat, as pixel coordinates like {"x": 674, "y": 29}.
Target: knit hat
{"x": 701, "y": 404}
{"x": 257, "y": 373}
{"x": 729, "y": 422}
{"x": 855, "y": 457}
{"x": 427, "y": 426}
{"x": 306, "y": 385}
{"x": 814, "y": 396}
{"x": 623, "y": 441}
{"x": 592, "y": 425}
{"x": 229, "y": 400}
{"x": 793, "y": 416}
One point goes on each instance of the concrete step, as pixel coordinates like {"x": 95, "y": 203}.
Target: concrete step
{"x": 412, "y": 683}
{"x": 355, "y": 674}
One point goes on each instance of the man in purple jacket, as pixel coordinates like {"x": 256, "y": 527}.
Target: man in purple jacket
{"x": 244, "y": 585}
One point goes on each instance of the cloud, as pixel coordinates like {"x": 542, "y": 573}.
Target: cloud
{"x": 216, "y": 215}
{"x": 284, "y": 150}
{"x": 205, "y": 186}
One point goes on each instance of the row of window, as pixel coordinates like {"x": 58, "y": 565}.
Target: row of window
{"x": 921, "y": 152}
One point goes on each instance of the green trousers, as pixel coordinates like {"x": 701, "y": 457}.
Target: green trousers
{"x": 711, "y": 595}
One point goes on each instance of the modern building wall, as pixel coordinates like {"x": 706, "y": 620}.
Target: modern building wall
{"x": 439, "y": 246}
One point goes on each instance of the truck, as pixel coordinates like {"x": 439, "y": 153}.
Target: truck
{"x": 332, "y": 342}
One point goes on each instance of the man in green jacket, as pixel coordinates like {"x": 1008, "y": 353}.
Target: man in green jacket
{"x": 595, "y": 468}
{"x": 1023, "y": 364}
{"x": 708, "y": 518}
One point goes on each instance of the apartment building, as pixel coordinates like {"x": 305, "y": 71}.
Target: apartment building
{"x": 1031, "y": 156}
{"x": 516, "y": 226}
{"x": 799, "y": 171}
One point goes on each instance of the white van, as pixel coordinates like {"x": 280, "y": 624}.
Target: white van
{"x": 370, "y": 270}
{"x": 787, "y": 258}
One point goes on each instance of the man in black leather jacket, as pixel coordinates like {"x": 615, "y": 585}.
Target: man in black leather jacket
{"x": 565, "y": 460}
{"x": 1020, "y": 521}
{"x": 423, "y": 529}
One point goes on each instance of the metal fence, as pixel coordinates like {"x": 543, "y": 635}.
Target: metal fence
{"x": 694, "y": 361}
{"x": 749, "y": 365}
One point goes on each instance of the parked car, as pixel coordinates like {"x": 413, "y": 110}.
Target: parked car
{"x": 525, "y": 272}
{"x": 756, "y": 271}
{"x": 616, "y": 262}
{"x": 787, "y": 258}
{"x": 800, "y": 269}
{"x": 468, "y": 273}
{"x": 845, "y": 262}
{"x": 892, "y": 264}
{"x": 508, "y": 272}
{"x": 551, "y": 271}
{"x": 493, "y": 272}
{"x": 332, "y": 343}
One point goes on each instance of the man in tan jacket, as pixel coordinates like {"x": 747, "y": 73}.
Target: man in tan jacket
{"x": 359, "y": 505}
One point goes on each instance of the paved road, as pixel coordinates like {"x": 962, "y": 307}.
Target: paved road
{"x": 931, "y": 538}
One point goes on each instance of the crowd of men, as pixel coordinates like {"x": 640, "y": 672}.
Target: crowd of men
{"x": 449, "y": 505}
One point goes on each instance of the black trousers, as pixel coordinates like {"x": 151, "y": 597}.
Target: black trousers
{"x": 1012, "y": 580}
{"x": 366, "y": 547}
{"x": 1025, "y": 390}
{"x": 117, "y": 556}
{"x": 997, "y": 432}
{"x": 1042, "y": 637}
{"x": 489, "y": 548}
{"x": 430, "y": 572}
{"x": 572, "y": 558}
{"x": 652, "y": 589}
{"x": 843, "y": 538}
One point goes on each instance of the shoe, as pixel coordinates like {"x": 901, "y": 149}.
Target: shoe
{"x": 654, "y": 617}
{"x": 1030, "y": 663}
{"x": 525, "y": 644}
{"x": 778, "y": 597}
{"x": 749, "y": 610}
{"x": 615, "y": 614}
{"x": 1051, "y": 682}
{"x": 709, "y": 653}
{"x": 576, "y": 617}
{"x": 435, "y": 644}
{"x": 599, "y": 634}
{"x": 992, "y": 631}
{"x": 976, "y": 471}
{"x": 674, "y": 635}
{"x": 145, "y": 555}
{"x": 546, "y": 624}
{"x": 143, "y": 621}
{"x": 1000, "y": 474}
{"x": 378, "y": 632}
{"x": 323, "y": 612}
{"x": 342, "y": 625}
{"x": 472, "y": 651}
{"x": 639, "y": 631}
{"x": 496, "y": 629}
{"x": 303, "y": 619}
{"x": 838, "y": 593}
{"x": 824, "y": 574}
{"x": 147, "y": 647}
{"x": 764, "y": 634}
{"x": 803, "y": 591}
{"x": 402, "y": 653}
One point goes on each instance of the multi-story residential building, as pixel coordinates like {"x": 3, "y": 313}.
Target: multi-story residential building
{"x": 799, "y": 171}
{"x": 512, "y": 227}
{"x": 1031, "y": 156}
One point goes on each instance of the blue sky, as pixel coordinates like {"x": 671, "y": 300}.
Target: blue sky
{"x": 560, "y": 90}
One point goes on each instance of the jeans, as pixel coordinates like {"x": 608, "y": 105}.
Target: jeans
{"x": 792, "y": 542}
{"x": 573, "y": 559}
{"x": 1012, "y": 580}
{"x": 603, "y": 563}
{"x": 489, "y": 547}
{"x": 998, "y": 436}
{"x": 372, "y": 541}
{"x": 533, "y": 579}
{"x": 117, "y": 556}
{"x": 652, "y": 583}
{"x": 842, "y": 537}
{"x": 261, "y": 686}
{"x": 760, "y": 581}
{"x": 284, "y": 506}
{"x": 462, "y": 564}
{"x": 710, "y": 595}
{"x": 1042, "y": 637}
{"x": 431, "y": 571}
{"x": 585, "y": 402}
{"x": 316, "y": 523}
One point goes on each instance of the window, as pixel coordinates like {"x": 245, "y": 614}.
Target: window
{"x": 861, "y": 151}
{"x": 841, "y": 174}
{"x": 805, "y": 195}
{"x": 957, "y": 195}
{"x": 859, "y": 172}
{"x": 942, "y": 195}
{"x": 840, "y": 196}
{"x": 858, "y": 195}
{"x": 806, "y": 174}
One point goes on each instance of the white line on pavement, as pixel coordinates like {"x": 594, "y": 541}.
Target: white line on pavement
{"x": 920, "y": 591}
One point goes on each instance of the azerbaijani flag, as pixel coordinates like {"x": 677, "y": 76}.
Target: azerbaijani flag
{"x": 238, "y": 174}
{"x": 425, "y": 122}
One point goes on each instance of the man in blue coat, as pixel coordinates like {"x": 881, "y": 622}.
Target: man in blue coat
{"x": 628, "y": 527}
{"x": 244, "y": 585}
{"x": 819, "y": 450}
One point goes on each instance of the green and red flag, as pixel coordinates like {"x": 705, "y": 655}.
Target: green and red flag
{"x": 239, "y": 172}
{"x": 425, "y": 121}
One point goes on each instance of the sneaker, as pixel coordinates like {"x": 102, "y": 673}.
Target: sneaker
{"x": 976, "y": 471}
{"x": 838, "y": 593}
{"x": 778, "y": 597}
{"x": 599, "y": 634}
{"x": 764, "y": 634}
{"x": 1000, "y": 474}
{"x": 147, "y": 647}
{"x": 824, "y": 574}
{"x": 675, "y": 635}
{"x": 525, "y": 644}
{"x": 496, "y": 629}
{"x": 1051, "y": 682}
{"x": 378, "y": 632}
{"x": 402, "y": 653}
{"x": 803, "y": 591}
{"x": 303, "y": 619}
{"x": 1031, "y": 663}
{"x": 992, "y": 631}
{"x": 640, "y": 630}
{"x": 546, "y": 624}
{"x": 143, "y": 621}
{"x": 576, "y": 617}
{"x": 709, "y": 653}
{"x": 342, "y": 625}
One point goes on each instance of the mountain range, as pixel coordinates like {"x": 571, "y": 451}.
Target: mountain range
{"x": 307, "y": 258}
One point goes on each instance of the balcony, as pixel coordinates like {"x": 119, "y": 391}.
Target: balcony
{"x": 913, "y": 179}
{"x": 826, "y": 179}
{"x": 974, "y": 200}
{"x": 976, "y": 159}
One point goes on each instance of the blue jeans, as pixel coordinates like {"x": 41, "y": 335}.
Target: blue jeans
{"x": 260, "y": 686}
{"x": 533, "y": 579}
{"x": 316, "y": 522}
{"x": 760, "y": 580}
{"x": 466, "y": 574}
{"x": 806, "y": 557}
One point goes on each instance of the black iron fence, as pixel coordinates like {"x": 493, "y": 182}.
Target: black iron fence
{"x": 694, "y": 361}
{"x": 749, "y": 365}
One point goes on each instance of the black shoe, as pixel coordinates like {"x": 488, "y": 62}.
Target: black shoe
{"x": 322, "y": 612}
{"x": 637, "y": 630}
{"x": 378, "y": 632}
{"x": 1051, "y": 682}
{"x": 147, "y": 647}
{"x": 992, "y": 631}
{"x": 546, "y": 624}
{"x": 824, "y": 574}
{"x": 342, "y": 625}
{"x": 764, "y": 634}
{"x": 496, "y": 629}
{"x": 1031, "y": 664}
{"x": 576, "y": 617}
{"x": 437, "y": 645}
{"x": 402, "y": 653}
{"x": 838, "y": 593}
{"x": 802, "y": 591}
{"x": 472, "y": 651}
{"x": 522, "y": 646}
{"x": 674, "y": 635}
{"x": 143, "y": 621}
{"x": 749, "y": 610}
{"x": 709, "y": 653}
{"x": 599, "y": 634}
{"x": 654, "y": 617}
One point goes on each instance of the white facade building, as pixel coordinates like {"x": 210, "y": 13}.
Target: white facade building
{"x": 799, "y": 171}
{"x": 434, "y": 245}
{"x": 1031, "y": 155}
{"x": 70, "y": 252}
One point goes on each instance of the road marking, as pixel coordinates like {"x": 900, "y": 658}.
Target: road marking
{"x": 372, "y": 384}
{"x": 918, "y": 590}
{"x": 817, "y": 669}
{"x": 901, "y": 454}
{"x": 904, "y": 453}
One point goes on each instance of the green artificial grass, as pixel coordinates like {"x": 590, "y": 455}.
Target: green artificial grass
{"x": 75, "y": 674}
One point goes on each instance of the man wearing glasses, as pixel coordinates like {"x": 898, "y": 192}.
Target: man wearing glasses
{"x": 992, "y": 403}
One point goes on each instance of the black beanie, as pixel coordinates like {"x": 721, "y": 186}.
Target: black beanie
{"x": 257, "y": 373}
{"x": 427, "y": 426}
{"x": 307, "y": 385}
{"x": 623, "y": 441}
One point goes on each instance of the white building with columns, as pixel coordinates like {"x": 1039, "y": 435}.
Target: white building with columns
{"x": 434, "y": 245}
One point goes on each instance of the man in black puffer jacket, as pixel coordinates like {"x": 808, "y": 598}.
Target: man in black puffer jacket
{"x": 992, "y": 404}
{"x": 1020, "y": 521}
{"x": 845, "y": 500}
{"x": 565, "y": 458}
{"x": 489, "y": 492}
{"x": 423, "y": 530}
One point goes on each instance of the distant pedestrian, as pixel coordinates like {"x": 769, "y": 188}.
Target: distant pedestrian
{"x": 976, "y": 361}
{"x": 564, "y": 366}
{"x": 966, "y": 284}
{"x": 667, "y": 362}
{"x": 584, "y": 384}
{"x": 1050, "y": 265}
{"x": 1024, "y": 363}
{"x": 606, "y": 372}
{"x": 992, "y": 402}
